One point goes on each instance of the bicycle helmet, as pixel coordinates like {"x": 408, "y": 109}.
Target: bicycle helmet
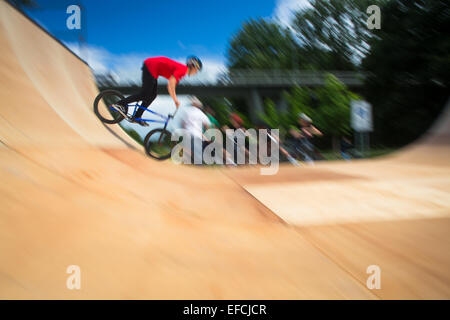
{"x": 193, "y": 61}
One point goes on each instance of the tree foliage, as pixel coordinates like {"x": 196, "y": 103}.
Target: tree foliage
{"x": 329, "y": 35}
{"x": 133, "y": 134}
{"x": 328, "y": 106}
{"x": 274, "y": 118}
{"x": 409, "y": 63}
{"x": 333, "y": 113}
{"x": 261, "y": 44}
{"x": 334, "y": 34}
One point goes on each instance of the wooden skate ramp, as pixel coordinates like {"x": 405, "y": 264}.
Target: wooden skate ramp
{"x": 76, "y": 192}
{"x": 392, "y": 212}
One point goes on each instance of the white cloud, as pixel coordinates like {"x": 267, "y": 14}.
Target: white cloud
{"x": 96, "y": 57}
{"x": 128, "y": 67}
{"x": 212, "y": 68}
{"x": 284, "y": 10}
{"x": 125, "y": 67}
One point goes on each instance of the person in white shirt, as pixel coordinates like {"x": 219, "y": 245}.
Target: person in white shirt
{"x": 196, "y": 122}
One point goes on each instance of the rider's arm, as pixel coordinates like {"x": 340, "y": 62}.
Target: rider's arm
{"x": 171, "y": 89}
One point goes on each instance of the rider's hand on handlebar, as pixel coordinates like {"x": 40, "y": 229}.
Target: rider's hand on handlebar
{"x": 173, "y": 114}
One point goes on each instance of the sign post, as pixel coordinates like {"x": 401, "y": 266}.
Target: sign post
{"x": 361, "y": 122}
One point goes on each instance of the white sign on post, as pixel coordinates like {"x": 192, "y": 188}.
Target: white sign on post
{"x": 361, "y": 116}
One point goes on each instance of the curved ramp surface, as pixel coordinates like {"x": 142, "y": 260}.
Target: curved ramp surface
{"x": 392, "y": 212}
{"x": 75, "y": 192}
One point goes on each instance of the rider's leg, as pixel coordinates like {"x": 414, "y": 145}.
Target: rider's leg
{"x": 150, "y": 95}
{"x": 149, "y": 85}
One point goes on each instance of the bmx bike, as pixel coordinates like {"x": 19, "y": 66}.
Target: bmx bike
{"x": 157, "y": 143}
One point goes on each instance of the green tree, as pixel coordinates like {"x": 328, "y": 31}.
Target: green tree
{"x": 409, "y": 64}
{"x": 334, "y": 34}
{"x": 331, "y": 112}
{"x": 299, "y": 100}
{"x": 133, "y": 134}
{"x": 262, "y": 44}
{"x": 274, "y": 118}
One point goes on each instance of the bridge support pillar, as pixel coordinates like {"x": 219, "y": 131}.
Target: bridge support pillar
{"x": 255, "y": 105}
{"x": 282, "y": 104}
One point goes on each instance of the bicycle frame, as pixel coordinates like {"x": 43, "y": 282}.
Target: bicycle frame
{"x": 137, "y": 106}
{"x": 165, "y": 119}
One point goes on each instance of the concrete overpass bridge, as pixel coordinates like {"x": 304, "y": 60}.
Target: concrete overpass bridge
{"x": 252, "y": 85}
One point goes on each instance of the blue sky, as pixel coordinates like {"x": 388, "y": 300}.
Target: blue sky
{"x": 171, "y": 27}
{"x": 120, "y": 34}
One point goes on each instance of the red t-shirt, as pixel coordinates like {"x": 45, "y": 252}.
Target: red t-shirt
{"x": 165, "y": 67}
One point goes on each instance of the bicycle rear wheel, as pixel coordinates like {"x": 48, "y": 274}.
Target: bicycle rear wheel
{"x": 158, "y": 144}
{"x": 103, "y": 108}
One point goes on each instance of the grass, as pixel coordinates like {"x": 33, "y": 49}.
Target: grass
{"x": 133, "y": 134}
{"x": 372, "y": 153}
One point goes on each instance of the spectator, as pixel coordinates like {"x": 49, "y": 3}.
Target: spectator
{"x": 300, "y": 139}
{"x": 195, "y": 123}
{"x": 211, "y": 116}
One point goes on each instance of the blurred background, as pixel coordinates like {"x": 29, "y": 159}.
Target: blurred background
{"x": 269, "y": 61}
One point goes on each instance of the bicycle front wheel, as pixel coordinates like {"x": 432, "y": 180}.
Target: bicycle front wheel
{"x": 158, "y": 144}
{"x": 103, "y": 106}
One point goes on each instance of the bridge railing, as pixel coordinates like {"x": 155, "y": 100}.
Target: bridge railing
{"x": 287, "y": 77}
{"x": 251, "y": 78}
